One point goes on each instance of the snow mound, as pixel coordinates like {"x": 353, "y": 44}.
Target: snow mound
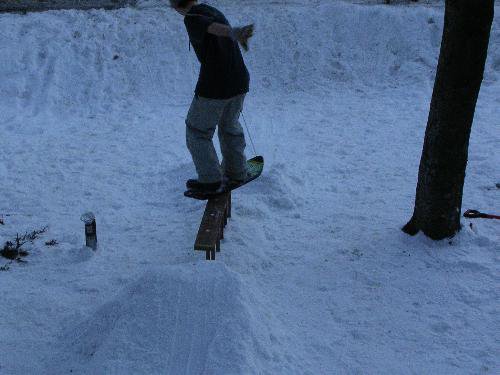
{"x": 183, "y": 320}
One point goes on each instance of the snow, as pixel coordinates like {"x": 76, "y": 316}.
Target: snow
{"x": 314, "y": 276}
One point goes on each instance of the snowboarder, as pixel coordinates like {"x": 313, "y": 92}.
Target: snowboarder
{"x": 222, "y": 84}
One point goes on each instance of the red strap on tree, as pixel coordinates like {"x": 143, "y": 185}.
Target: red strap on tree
{"x": 474, "y": 214}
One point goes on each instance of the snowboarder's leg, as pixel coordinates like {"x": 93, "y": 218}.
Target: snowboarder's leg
{"x": 232, "y": 139}
{"x": 201, "y": 121}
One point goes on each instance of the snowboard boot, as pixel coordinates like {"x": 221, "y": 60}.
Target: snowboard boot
{"x": 209, "y": 187}
{"x": 232, "y": 183}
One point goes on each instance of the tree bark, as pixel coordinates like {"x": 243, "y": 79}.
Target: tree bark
{"x": 464, "y": 46}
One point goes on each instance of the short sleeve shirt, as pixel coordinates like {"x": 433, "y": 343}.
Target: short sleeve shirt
{"x": 223, "y": 73}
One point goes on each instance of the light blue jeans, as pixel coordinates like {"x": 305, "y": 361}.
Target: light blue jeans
{"x": 204, "y": 116}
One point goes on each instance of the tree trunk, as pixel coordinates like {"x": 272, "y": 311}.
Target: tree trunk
{"x": 441, "y": 175}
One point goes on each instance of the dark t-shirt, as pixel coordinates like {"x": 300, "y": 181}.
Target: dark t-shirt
{"x": 223, "y": 73}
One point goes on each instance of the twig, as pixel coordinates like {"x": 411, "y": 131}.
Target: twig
{"x": 14, "y": 250}
{"x": 51, "y": 243}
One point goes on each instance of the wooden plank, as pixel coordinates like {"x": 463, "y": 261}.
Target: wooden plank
{"x": 209, "y": 231}
{"x": 212, "y": 225}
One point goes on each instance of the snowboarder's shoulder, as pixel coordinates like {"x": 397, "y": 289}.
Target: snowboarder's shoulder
{"x": 204, "y": 10}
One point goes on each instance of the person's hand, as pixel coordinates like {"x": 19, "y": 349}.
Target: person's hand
{"x": 242, "y": 34}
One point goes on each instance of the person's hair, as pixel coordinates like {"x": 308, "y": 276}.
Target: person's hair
{"x": 180, "y": 3}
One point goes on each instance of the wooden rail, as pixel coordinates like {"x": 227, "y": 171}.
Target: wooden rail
{"x": 211, "y": 231}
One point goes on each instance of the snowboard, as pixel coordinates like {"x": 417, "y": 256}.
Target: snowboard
{"x": 254, "y": 169}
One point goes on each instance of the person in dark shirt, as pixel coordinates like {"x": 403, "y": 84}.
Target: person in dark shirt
{"x": 222, "y": 84}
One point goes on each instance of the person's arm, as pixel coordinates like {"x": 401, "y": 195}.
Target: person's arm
{"x": 239, "y": 34}
{"x": 219, "y": 29}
